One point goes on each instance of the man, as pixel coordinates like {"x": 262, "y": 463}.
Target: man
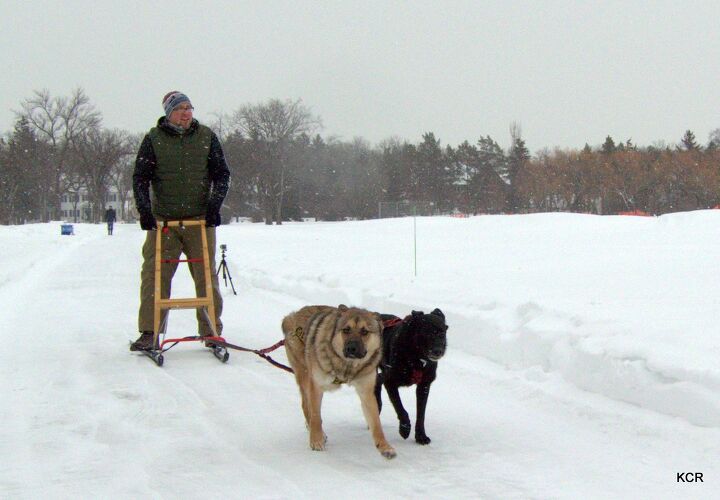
{"x": 185, "y": 164}
{"x": 110, "y": 217}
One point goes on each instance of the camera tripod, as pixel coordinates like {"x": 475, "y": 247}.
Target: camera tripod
{"x": 224, "y": 267}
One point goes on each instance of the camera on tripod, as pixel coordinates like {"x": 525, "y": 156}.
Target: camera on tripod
{"x": 224, "y": 268}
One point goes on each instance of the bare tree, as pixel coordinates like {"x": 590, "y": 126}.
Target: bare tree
{"x": 122, "y": 172}
{"x": 714, "y": 139}
{"x": 59, "y": 121}
{"x": 221, "y": 125}
{"x": 74, "y": 185}
{"x": 272, "y": 126}
{"x": 97, "y": 153}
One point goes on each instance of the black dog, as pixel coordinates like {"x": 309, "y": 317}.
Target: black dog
{"x": 411, "y": 350}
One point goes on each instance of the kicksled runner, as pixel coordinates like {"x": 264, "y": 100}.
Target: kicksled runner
{"x": 215, "y": 343}
{"x": 156, "y": 355}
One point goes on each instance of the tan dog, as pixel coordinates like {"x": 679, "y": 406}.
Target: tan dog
{"x": 330, "y": 346}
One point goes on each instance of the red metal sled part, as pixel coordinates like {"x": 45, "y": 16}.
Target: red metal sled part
{"x": 196, "y": 338}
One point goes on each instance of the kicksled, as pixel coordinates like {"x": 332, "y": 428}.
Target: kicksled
{"x": 215, "y": 343}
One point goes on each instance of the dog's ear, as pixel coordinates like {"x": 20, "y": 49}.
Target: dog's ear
{"x": 437, "y": 318}
{"x": 380, "y": 322}
{"x": 438, "y": 312}
{"x": 417, "y": 314}
{"x": 342, "y": 307}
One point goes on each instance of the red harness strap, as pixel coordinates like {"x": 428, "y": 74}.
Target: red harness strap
{"x": 391, "y": 322}
{"x": 263, "y": 353}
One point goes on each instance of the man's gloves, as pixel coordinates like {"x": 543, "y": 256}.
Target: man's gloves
{"x": 212, "y": 218}
{"x": 148, "y": 222}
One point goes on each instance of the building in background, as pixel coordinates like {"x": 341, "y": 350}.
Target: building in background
{"x": 76, "y": 207}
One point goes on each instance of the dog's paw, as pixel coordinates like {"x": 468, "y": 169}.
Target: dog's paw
{"x": 387, "y": 451}
{"x": 405, "y": 430}
{"x": 318, "y": 444}
{"x": 422, "y": 439}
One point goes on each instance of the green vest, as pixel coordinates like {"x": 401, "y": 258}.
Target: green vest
{"x": 181, "y": 184}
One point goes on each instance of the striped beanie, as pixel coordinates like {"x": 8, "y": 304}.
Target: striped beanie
{"x": 172, "y": 100}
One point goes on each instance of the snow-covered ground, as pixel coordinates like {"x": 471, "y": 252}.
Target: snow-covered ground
{"x": 583, "y": 362}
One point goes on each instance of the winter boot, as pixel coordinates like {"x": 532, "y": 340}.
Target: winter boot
{"x": 208, "y": 336}
{"x": 144, "y": 342}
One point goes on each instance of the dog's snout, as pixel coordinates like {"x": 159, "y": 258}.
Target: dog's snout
{"x": 354, "y": 349}
{"x": 437, "y": 351}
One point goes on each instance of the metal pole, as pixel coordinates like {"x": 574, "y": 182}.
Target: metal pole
{"x": 415, "y": 239}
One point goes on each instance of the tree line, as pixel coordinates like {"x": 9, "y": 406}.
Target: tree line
{"x": 283, "y": 169}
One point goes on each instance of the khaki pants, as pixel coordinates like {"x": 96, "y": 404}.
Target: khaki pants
{"x": 176, "y": 241}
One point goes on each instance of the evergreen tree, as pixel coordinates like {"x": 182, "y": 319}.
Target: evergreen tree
{"x": 492, "y": 156}
{"x": 518, "y": 157}
{"x": 395, "y": 170}
{"x": 434, "y": 175}
{"x": 608, "y": 146}
{"x": 689, "y": 142}
{"x": 468, "y": 176}
{"x": 27, "y": 168}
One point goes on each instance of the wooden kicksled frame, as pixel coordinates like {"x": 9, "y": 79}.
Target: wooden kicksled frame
{"x": 205, "y": 304}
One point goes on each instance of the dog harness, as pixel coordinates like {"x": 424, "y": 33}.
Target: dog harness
{"x": 416, "y": 376}
{"x": 300, "y": 334}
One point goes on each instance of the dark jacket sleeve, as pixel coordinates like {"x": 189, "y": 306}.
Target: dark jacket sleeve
{"x": 219, "y": 175}
{"x": 143, "y": 175}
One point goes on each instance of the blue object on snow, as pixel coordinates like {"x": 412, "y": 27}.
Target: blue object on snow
{"x": 66, "y": 229}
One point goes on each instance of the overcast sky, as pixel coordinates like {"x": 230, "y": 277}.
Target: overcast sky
{"x": 567, "y": 72}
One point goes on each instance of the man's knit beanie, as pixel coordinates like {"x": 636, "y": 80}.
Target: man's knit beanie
{"x": 172, "y": 100}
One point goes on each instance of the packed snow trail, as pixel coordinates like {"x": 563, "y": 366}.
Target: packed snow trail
{"x": 85, "y": 418}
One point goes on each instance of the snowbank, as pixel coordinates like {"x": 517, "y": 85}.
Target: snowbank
{"x": 619, "y": 306}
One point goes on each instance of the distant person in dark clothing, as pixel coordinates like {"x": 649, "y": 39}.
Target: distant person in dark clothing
{"x": 110, "y": 218}
{"x": 184, "y": 163}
